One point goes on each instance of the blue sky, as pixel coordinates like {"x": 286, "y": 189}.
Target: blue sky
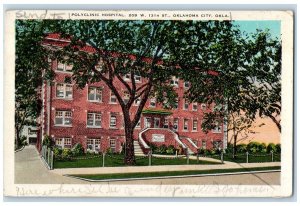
{"x": 251, "y": 26}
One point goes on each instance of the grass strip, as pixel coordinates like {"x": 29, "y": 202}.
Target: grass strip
{"x": 169, "y": 173}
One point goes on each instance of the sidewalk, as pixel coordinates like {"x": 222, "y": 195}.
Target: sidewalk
{"x": 29, "y": 169}
{"x": 105, "y": 170}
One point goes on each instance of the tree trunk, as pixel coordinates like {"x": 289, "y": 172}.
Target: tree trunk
{"x": 234, "y": 146}
{"x": 17, "y": 138}
{"x": 129, "y": 158}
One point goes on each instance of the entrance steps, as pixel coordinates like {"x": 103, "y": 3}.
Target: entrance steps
{"x": 137, "y": 149}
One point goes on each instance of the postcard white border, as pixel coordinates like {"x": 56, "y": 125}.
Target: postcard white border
{"x": 284, "y": 190}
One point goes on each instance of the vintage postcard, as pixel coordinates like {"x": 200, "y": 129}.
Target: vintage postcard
{"x": 148, "y": 103}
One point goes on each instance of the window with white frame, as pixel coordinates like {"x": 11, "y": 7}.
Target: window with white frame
{"x": 112, "y": 145}
{"x": 147, "y": 122}
{"x": 217, "y": 144}
{"x": 63, "y": 118}
{"x": 64, "y": 67}
{"x": 152, "y": 102}
{"x": 137, "y": 101}
{"x": 113, "y": 98}
{"x": 186, "y": 105}
{"x": 176, "y": 104}
{"x": 95, "y": 94}
{"x": 113, "y": 121}
{"x": 64, "y": 90}
{"x": 93, "y": 119}
{"x": 138, "y": 125}
{"x": 203, "y": 106}
{"x": 93, "y": 145}
{"x": 195, "y": 106}
{"x": 186, "y": 85}
{"x": 217, "y": 128}
{"x": 203, "y": 144}
{"x": 166, "y": 123}
{"x": 126, "y": 96}
{"x": 185, "y": 124}
{"x": 174, "y": 82}
{"x": 195, "y": 125}
{"x": 63, "y": 142}
{"x": 126, "y": 77}
{"x": 175, "y": 124}
{"x": 137, "y": 77}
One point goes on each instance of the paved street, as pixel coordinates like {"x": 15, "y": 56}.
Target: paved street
{"x": 30, "y": 169}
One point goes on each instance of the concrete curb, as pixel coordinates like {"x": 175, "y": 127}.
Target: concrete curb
{"x": 168, "y": 177}
{"x": 20, "y": 149}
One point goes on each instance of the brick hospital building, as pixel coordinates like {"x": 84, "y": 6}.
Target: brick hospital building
{"x": 93, "y": 117}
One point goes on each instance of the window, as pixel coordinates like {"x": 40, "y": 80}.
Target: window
{"x": 195, "y": 125}
{"x": 64, "y": 90}
{"x": 63, "y": 142}
{"x": 137, "y": 101}
{"x": 64, "y": 67}
{"x": 195, "y": 106}
{"x": 126, "y": 77}
{"x": 174, "y": 81}
{"x": 113, "y": 98}
{"x": 147, "y": 122}
{"x": 175, "y": 124}
{"x": 126, "y": 97}
{"x": 63, "y": 118}
{"x": 218, "y": 128}
{"x": 203, "y": 106}
{"x": 152, "y": 102}
{"x": 217, "y": 144}
{"x": 113, "y": 121}
{"x": 176, "y": 104}
{"x": 203, "y": 144}
{"x": 186, "y": 85}
{"x": 185, "y": 105}
{"x": 93, "y": 120}
{"x": 166, "y": 123}
{"x": 31, "y": 131}
{"x": 112, "y": 145}
{"x": 138, "y": 125}
{"x": 93, "y": 145}
{"x": 137, "y": 77}
{"x": 156, "y": 123}
{"x": 95, "y": 94}
{"x": 185, "y": 124}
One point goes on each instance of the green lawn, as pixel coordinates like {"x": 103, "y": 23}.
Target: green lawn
{"x": 117, "y": 160}
{"x": 170, "y": 173}
{"x": 253, "y": 158}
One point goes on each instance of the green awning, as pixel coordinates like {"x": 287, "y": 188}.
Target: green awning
{"x": 154, "y": 111}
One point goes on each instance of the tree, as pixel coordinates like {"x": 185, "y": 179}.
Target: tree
{"x": 247, "y": 80}
{"x": 150, "y": 49}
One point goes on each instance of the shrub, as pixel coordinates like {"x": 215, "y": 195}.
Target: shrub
{"x": 66, "y": 154}
{"x": 241, "y": 148}
{"x": 57, "y": 152}
{"x": 47, "y": 141}
{"x": 170, "y": 149}
{"x": 23, "y": 140}
{"x": 153, "y": 147}
{"x": 262, "y": 148}
{"x": 161, "y": 149}
{"x": 271, "y": 147}
{"x": 253, "y": 147}
{"x": 77, "y": 150}
{"x": 278, "y": 148}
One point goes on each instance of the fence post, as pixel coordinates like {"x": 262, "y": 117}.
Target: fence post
{"x": 222, "y": 157}
{"x": 103, "y": 159}
{"x": 187, "y": 156}
{"x": 272, "y": 156}
{"x": 51, "y": 165}
{"x": 247, "y": 157}
{"x": 149, "y": 155}
{"x": 49, "y": 151}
